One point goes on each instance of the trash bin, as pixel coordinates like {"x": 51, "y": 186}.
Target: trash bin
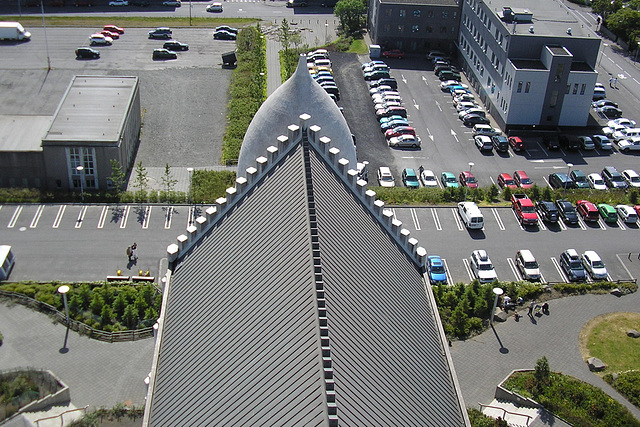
{"x": 229, "y": 58}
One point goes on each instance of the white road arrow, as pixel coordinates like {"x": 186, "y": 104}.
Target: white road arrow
{"x": 403, "y": 79}
{"x": 424, "y": 79}
{"x": 453, "y": 134}
{"x": 430, "y": 136}
{"x": 439, "y": 108}
{"x": 416, "y": 105}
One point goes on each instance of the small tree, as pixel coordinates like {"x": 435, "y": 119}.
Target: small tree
{"x": 284, "y": 34}
{"x": 542, "y": 373}
{"x": 351, "y": 14}
{"x": 106, "y": 316}
{"x": 119, "y": 304}
{"x": 96, "y": 304}
{"x": 117, "y": 177}
{"x": 141, "y": 182}
{"x": 130, "y": 316}
{"x": 168, "y": 182}
{"x": 507, "y": 193}
{"x": 546, "y": 194}
{"x": 492, "y": 193}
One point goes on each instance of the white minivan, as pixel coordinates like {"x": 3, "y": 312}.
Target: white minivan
{"x": 471, "y": 215}
{"x": 527, "y": 265}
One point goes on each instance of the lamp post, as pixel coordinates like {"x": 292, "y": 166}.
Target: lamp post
{"x": 497, "y": 292}
{"x": 466, "y": 189}
{"x": 604, "y": 47}
{"x": 326, "y": 30}
{"x": 190, "y": 171}
{"x": 63, "y": 290}
{"x": 80, "y": 170}
{"x": 564, "y": 187}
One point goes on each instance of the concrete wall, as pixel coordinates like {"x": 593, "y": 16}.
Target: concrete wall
{"x": 22, "y": 169}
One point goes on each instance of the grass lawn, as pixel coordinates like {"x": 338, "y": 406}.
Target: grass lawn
{"x": 358, "y": 46}
{"x": 128, "y": 21}
{"x": 605, "y": 337}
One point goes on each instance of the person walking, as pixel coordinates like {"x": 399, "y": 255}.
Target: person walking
{"x": 611, "y": 82}
{"x": 134, "y": 255}
{"x": 531, "y": 305}
{"x": 615, "y": 83}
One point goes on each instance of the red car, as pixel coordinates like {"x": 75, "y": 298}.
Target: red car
{"x": 400, "y": 130}
{"x": 522, "y": 179}
{"x": 111, "y": 34}
{"x": 466, "y": 178}
{"x": 393, "y": 53}
{"x": 637, "y": 208}
{"x": 506, "y": 180}
{"x": 516, "y": 143}
{"x": 113, "y": 29}
{"x": 587, "y": 210}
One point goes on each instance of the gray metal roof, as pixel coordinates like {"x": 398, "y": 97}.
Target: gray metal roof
{"x": 93, "y": 109}
{"x": 23, "y": 133}
{"x": 421, "y": 2}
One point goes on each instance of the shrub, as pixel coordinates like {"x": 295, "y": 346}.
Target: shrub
{"x": 627, "y": 384}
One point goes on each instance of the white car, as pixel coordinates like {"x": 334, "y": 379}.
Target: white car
{"x": 622, "y": 122}
{"x": 172, "y": 3}
{"x": 482, "y": 267}
{"x": 631, "y": 144}
{"x": 428, "y": 178}
{"x": 594, "y": 265}
{"x": 405, "y": 141}
{"x": 215, "y": 7}
{"x": 381, "y": 89}
{"x": 608, "y": 131}
{"x": 385, "y": 178}
{"x": 445, "y": 85}
{"x": 632, "y": 177}
{"x": 118, "y": 3}
{"x": 627, "y": 214}
{"x": 474, "y": 111}
{"x": 461, "y": 106}
{"x": 467, "y": 97}
{"x": 100, "y": 39}
{"x": 596, "y": 182}
{"x": 386, "y": 104}
{"x": 384, "y": 95}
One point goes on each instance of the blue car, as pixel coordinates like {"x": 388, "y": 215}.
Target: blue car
{"x": 393, "y": 124}
{"x": 388, "y": 119}
{"x": 437, "y": 272}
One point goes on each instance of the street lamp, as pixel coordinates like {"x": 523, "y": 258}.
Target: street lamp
{"x": 190, "y": 171}
{"x": 497, "y": 292}
{"x": 471, "y": 164}
{"x": 564, "y": 187}
{"x": 80, "y": 170}
{"x": 63, "y": 290}
{"x": 326, "y": 29}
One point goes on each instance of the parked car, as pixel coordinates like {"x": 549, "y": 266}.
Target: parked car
{"x": 587, "y": 210}
{"x": 87, "y": 53}
{"x": 485, "y": 130}
{"x": 400, "y": 130}
{"x": 622, "y": 121}
{"x": 172, "y": 3}
{"x": 474, "y": 111}
{"x": 609, "y": 112}
{"x": 436, "y": 270}
{"x": 596, "y": 182}
{"x": 471, "y": 215}
{"x": 551, "y": 142}
{"x": 527, "y": 265}
{"x": 393, "y": 53}
{"x": 100, "y": 39}
{"x": 467, "y": 179}
{"x": 366, "y": 64}
{"x": 483, "y": 143}
{"x": 569, "y": 142}
{"x": 631, "y": 144}
{"x": 602, "y": 142}
{"x": 560, "y": 180}
{"x": 572, "y": 266}
{"x": 547, "y": 211}
{"x": 608, "y": 213}
{"x": 160, "y": 33}
{"x": 500, "y": 143}
{"x": 215, "y": 8}
{"x": 389, "y": 82}
{"x": 448, "y": 179}
{"x": 516, "y": 143}
{"x": 522, "y": 179}
{"x": 632, "y": 177}
{"x": 482, "y": 267}
{"x": 394, "y": 123}
{"x": 164, "y": 54}
{"x": 586, "y": 143}
{"x": 428, "y": 178}
{"x": 385, "y": 178}
{"x": 377, "y": 75}
{"x": 603, "y": 102}
{"x": 627, "y": 214}
{"x": 594, "y": 265}
{"x": 613, "y": 178}
{"x": 113, "y": 35}
{"x": 175, "y": 45}
{"x": 506, "y": 180}
{"x": 409, "y": 178}
{"x": 227, "y": 29}
{"x": 118, "y": 3}
{"x": 474, "y": 119}
{"x": 579, "y": 179}
{"x": 391, "y": 111}
{"x": 113, "y": 29}
{"x": 567, "y": 211}
{"x": 224, "y": 35}
{"x": 404, "y": 141}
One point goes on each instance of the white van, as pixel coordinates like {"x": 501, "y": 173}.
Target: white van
{"x": 8, "y": 259}
{"x": 485, "y": 130}
{"x": 471, "y": 215}
{"x": 527, "y": 265}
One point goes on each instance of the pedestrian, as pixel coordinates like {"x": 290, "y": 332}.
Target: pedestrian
{"x": 611, "y": 82}
{"x": 615, "y": 83}
{"x": 129, "y": 252}
{"x": 531, "y": 305}
{"x": 134, "y": 255}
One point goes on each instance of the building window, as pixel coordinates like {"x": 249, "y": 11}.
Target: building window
{"x": 453, "y": 30}
{"x": 527, "y": 87}
{"x": 415, "y": 29}
{"x": 402, "y": 13}
{"x": 559, "y": 72}
{"x": 554, "y": 99}
{"x": 455, "y": 14}
{"x": 429, "y": 29}
{"x": 84, "y": 157}
{"x": 429, "y": 13}
{"x": 568, "y": 88}
{"x": 583, "y": 88}
{"x": 400, "y": 28}
{"x": 386, "y": 28}
{"x": 416, "y": 13}
{"x": 388, "y": 12}
{"x": 519, "y": 87}
{"x": 575, "y": 88}
{"x": 443, "y": 30}
{"x": 445, "y": 15}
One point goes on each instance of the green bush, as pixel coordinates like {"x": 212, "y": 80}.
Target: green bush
{"x": 627, "y": 384}
{"x": 208, "y": 185}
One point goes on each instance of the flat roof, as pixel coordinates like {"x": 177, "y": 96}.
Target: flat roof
{"x": 93, "y": 109}
{"x": 422, "y": 2}
{"x": 23, "y": 133}
{"x": 550, "y": 18}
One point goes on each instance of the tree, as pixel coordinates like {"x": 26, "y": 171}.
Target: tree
{"x": 119, "y": 305}
{"x": 605, "y": 7}
{"x": 97, "y": 303}
{"x": 542, "y": 373}
{"x": 352, "y": 15}
{"x": 130, "y": 317}
{"x": 117, "y": 177}
{"x": 141, "y": 182}
{"x": 106, "y": 316}
{"x": 168, "y": 181}
{"x": 284, "y": 34}
{"x": 625, "y": 23}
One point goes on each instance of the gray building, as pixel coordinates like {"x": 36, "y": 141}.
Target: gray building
{"x": 297, "y": 299}
{"x": 532, "y": 63}
{"x": 414, "y": 25}
{"x": 97, "y": 120}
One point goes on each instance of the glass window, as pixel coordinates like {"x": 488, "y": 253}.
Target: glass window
{"x": 583, "y": 88}
{"x": 430, "y": 14}
{"x": 527, "y": 87}
{"x": 554, "y": 99}
{"x": 575, "y": 88}
{"x": 388, "y": 12}
{"x": 416, "y": 13}
{"x": 568, "y": 89}
{"x": 415, "y": 28}
{"x": 403, "y": 12}
{"x": 386, "y": 28}
{"x": 443, "y": 30}
{"x": 445, "y": 15}
{"x": 429, "y": 29}
{"x": 400, "y": 28}
{"x": 519, "y": 87}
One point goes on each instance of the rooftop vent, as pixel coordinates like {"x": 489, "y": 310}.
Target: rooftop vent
{"x": 510, "y": 14}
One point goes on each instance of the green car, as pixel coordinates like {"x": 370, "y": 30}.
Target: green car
{"x": 607, "y": 212}
{"x": 449, "y": 180}
{"x": 410, "y": 179}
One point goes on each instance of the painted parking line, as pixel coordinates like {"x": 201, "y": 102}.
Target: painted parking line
{"x": 59, "y": 215}
{"x": 562, "y": 225}
{"x": 467, "y": 266}
{"x": 168, "y": 214}
{"x": 494, "y": 211}
{"x": 559, "y": 269}
{"x": 541, "y": 224}
{"x": 14, "y": 218}
{"x": 191, "y": 215}
{"x": 393, "y": 210}
{"x": 103, "y": 216}
{"x": 582, "y": 224}
{"x": 414, "y": 216}
{"x": 147, "y": 215}
{"x": 601, "y": 224}
{"x": 436, "y": 220}
{"x": 625, "y": 267}
{"x": 514, "y": 269}
{"x": 621, "y": 225}
{"x": 36, "y": 217}
{"x": 456, "y": 217}
{"x": 125, "y": 217}
{"x": 81, "y": 215}
{"x": 446, "y": 268}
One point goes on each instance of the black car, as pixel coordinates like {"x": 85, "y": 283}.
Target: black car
{"x": 164, "y": 54}
{"x": 473, "y": 119}
{"x": 143, "y": 3}
{"x": 500, "y": 142}
{"x": 159, "y": 34}
{"x": 551, "y": 142}
{"x": 227, "y": 28}
{"x": 547, "y": 211}
{"x": 567, "y": 211}
{"x": 224, "y": 35}
{"x": 561, "y": 180}
{"x": 87, "y": 52}
{"x": 569, "y": 142}
{"x": 175, "y": 45}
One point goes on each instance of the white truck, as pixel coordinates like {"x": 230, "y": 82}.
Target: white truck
{"x": 13, "y": 31}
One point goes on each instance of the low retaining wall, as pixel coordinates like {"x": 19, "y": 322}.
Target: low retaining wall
{"x": 504, "y": 394}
